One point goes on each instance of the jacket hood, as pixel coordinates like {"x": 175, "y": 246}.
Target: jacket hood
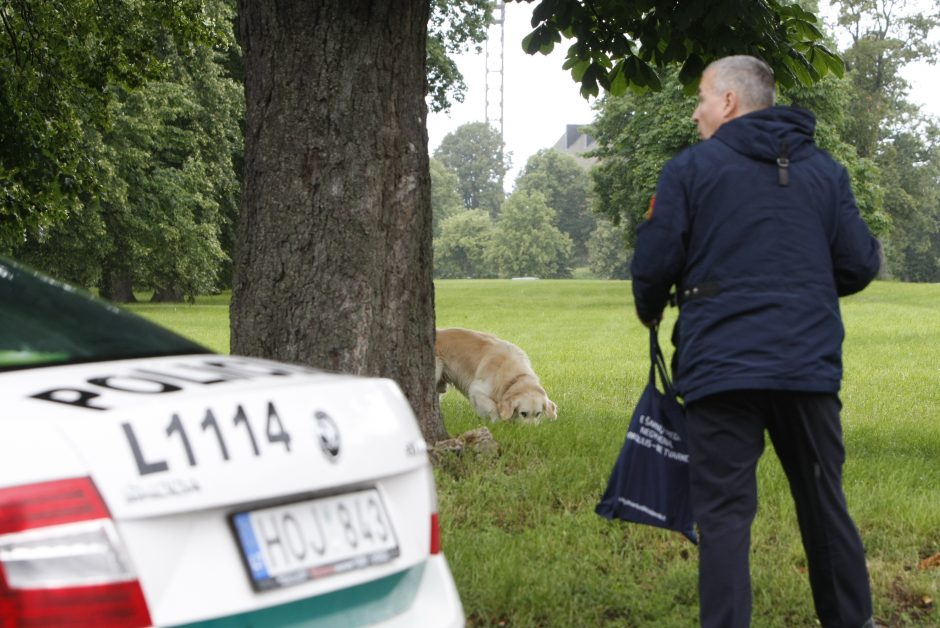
{"x": 770, "y": 133}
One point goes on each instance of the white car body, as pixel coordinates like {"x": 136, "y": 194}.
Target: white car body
{"x": 176, "y": 446}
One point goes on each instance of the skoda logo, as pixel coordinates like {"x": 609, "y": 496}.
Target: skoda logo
{"x": 329, "y": 435}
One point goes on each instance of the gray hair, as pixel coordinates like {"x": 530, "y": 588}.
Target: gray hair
{"x": 748, "y": 77}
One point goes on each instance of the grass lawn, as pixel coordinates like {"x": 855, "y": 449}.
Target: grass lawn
{"x": 205, "y": 321}
{"x": 520, "y": 531}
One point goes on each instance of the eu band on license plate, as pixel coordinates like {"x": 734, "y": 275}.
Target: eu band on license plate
{"x": 293, "y": 543}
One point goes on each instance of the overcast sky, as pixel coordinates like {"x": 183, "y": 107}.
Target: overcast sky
{"x": 541, "y": 98}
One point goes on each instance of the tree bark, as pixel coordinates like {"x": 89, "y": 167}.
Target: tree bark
{"x": 333, "y": 244}
{"x": 164, "y": 294}
{"x": 117, "y": 285}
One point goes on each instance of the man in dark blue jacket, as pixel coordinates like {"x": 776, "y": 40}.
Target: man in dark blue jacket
{"x": 758, "y": 231}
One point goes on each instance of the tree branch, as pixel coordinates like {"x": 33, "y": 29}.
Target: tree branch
{"x": 10, "y": 33}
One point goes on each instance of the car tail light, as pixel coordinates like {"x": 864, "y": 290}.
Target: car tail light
{"x": 435, "y": 520}
{"x": 435, "y": 534}
{"x": 61, "y": 561}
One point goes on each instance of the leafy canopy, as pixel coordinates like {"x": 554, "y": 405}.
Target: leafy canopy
{"x": 461, "y": 249}
{"x": 454, "y": 27}
{"x": 608, "y": 255}
{"x": 566, "y": 187}
{"x": 526, "y": 242}
{"x": 476, "y": 153}
{"x": 890, "y": 131}
{"x": 156, "y": 183}
{"x": 60, "y": 62}
{"x": 445, "y": 196}
{"x": 620, "y": 44}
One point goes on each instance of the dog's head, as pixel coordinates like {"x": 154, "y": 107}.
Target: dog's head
{"x": 529, "y": 405}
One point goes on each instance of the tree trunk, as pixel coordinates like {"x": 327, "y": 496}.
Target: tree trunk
{"x": 163, "y": 294}
{"x": 333, "y": 244}
{"x": 117, "y": 285}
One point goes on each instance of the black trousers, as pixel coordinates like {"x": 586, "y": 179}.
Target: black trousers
{"x": 726, "y": 440}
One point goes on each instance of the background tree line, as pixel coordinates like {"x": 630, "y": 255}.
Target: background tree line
{"x": 864, "y": 119}
{"x": 119, "y": 142}
{"x": 121, "y": 150}
{"x": 122, "y": 139}
{"x": 544, "y": 228}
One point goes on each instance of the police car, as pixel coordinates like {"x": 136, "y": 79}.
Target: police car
{"x": 147, "y": 481}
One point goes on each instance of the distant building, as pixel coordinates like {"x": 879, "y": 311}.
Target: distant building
{"x": 576, "y": 143}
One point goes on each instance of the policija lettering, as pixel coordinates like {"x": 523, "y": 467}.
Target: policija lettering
{"x": 100, "y": 393}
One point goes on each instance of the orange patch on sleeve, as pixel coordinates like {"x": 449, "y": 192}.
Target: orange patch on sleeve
{"x": 649, "y": 212}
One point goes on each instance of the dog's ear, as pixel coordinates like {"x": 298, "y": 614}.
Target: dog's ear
{"x": 506, "y": 409}
{"x": 551, "y": 410}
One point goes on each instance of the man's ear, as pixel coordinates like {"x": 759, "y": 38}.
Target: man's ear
{"x": 731, "y": 106}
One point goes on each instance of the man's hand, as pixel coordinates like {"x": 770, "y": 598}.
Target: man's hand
{"x": 650, "y": 323}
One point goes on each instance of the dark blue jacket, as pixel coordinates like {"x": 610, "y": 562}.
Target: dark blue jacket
{"x": 759, "y": 267}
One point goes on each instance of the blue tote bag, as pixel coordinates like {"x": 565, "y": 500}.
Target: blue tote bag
{"x": 650, "y": 480}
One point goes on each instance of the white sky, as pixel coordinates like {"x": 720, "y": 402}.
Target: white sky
{"x": 541, "y": 98}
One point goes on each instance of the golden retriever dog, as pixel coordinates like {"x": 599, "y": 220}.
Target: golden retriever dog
{"x": 493, "y": 374}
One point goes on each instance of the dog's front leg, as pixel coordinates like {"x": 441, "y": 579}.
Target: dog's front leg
{"x": 482, "y": 404}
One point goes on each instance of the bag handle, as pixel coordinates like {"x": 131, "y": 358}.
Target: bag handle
{"x": 658, "y": 363}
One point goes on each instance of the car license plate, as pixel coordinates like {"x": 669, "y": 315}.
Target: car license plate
{"x": 293, "y": 543}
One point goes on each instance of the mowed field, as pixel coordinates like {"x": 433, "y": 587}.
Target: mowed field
{"x": 519, "y": 528}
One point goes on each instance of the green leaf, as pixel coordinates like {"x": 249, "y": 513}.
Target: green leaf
{"x": 675, "y": 51}
{"x": 784, "y": 76}
{"x": 603, "y": 79}
{"x": 802, "y": 47}
{"x": 795, "y": 10}
{"x": 802, "y": 70}
{"x": 564, "y": 15}
{"x": 550, "y": 37}
{"x": 570, "y": 61}
{"x": 650, "y": 77}
{"x": 588, "y": 90}
{"x": 578, "y": 68}
{"x": 692, "y": 69}
{"x": 589, "y": 85}
{"x": 538, "y": 40}
{"x": 630, "y": 68}
{"x": 591, "y": 73}
{"x": 575, "y": 52}
{"x": 818, "y": 61}
{"x": 801, "y": 29}
{"x": 530, "y": 43}
{"x": 834, "y": 62}
{"x": 618, "y": 82}
{"x": 543, "y": 11}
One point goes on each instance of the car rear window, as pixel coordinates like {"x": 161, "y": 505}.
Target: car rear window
{"x": 44, "y": 322}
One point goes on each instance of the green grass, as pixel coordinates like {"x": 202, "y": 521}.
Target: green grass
{"x": 205, "y": 321}
{"x": 520, "y": 531}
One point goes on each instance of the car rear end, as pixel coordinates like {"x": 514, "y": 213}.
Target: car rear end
{"x": 215, "y": 490}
